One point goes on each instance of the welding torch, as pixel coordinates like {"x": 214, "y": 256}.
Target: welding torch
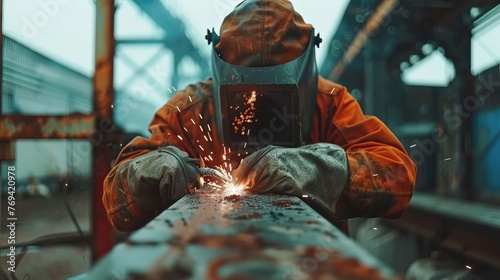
{"x": 206, "y": 171}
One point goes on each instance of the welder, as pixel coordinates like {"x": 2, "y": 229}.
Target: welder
{"x": 272, "y": 122}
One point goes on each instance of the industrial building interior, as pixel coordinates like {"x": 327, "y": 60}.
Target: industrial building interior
{"x": 81, "y": 78}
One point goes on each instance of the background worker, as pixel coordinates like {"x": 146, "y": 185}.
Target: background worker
{"x": 269, "y": 118}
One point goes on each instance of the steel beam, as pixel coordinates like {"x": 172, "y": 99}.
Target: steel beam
{"x": 74, "y": 126}
{"x": 212, "y": 236}
{"x": 468, "y": 229}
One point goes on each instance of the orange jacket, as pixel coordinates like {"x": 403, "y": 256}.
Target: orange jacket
{"x": 381, "y": 174}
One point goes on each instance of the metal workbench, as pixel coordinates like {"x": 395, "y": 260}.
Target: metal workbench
{"x": 212, "y": 236}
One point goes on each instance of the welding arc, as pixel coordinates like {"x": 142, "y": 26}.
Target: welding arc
{"x": 206, "y": 171}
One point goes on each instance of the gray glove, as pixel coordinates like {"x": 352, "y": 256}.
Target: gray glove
{"x": 159, "y": 178}
{"x": 316, "y": 172}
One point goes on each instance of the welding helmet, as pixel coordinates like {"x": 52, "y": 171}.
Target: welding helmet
{"x": 264, "y": 77}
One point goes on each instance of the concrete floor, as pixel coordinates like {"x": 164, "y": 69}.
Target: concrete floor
{"x": 37, "y": 218}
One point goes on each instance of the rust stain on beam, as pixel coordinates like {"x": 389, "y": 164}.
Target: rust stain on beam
{"x": 74, "y": 126}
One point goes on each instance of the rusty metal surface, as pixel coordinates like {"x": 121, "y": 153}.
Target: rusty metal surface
{"x": 75, "y": 126}
{"x": 104, "y": 55}
{"x": 103, "y": 236}
{"x": 211, "y": 236}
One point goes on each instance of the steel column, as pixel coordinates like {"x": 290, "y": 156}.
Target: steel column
{"x": 103, "y": 102}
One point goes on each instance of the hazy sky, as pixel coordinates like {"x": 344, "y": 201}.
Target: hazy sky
{"x": 64, "y": 29}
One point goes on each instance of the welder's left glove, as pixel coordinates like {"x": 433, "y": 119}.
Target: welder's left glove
{"x": 317, "y": 172}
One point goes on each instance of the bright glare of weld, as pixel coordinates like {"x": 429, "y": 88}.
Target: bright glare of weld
{"x": 230, "y": 188}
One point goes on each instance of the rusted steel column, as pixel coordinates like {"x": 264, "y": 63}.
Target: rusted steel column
{"x": 103, "y": 100}
{"x": 212, "y": 236}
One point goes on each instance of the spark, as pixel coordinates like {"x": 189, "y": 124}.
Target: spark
{"x": 169, "y": 90}
{"x": 375, "y": 175}
{"x": 209, "y": 156}
{"x": 224, "y": 157}
{"x": 333, "y": 89}
{"x": 248, "y": 132}
{"x": 375, "y": 228}
{"x": 413, "y": 146}
{"x": 209, "y": 129}
{"x": 112, "y": 105}
{"x": 177, "y": 108}
{"x": 201, "y": 117}
{"x": 201, "y": 128}
{"x": 185, "y": 128}
{"x": 190, "y": 99}
{"x": 253, "y": 98}
{"x": 180, "y": 137}
{"x": 468, "y": 267}
{"x": 206, "y": 139}
{"x": 174, "y": 88}
{"x": 210, "y": 137}
{"x": 193, "y": 121}
{"x": 305, "y": 195}
{"x": 245, "y": 146}
{"x": 447, "y": 159}
{"x": 201, "y": 147}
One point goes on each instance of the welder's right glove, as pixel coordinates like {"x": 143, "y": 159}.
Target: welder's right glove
{"x": 315, "y": 172}
{"x": 159, "y": 178}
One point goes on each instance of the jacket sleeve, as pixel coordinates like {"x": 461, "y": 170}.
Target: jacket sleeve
{"x": 121, "y": 204}
{"x": 381, "y": 174}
